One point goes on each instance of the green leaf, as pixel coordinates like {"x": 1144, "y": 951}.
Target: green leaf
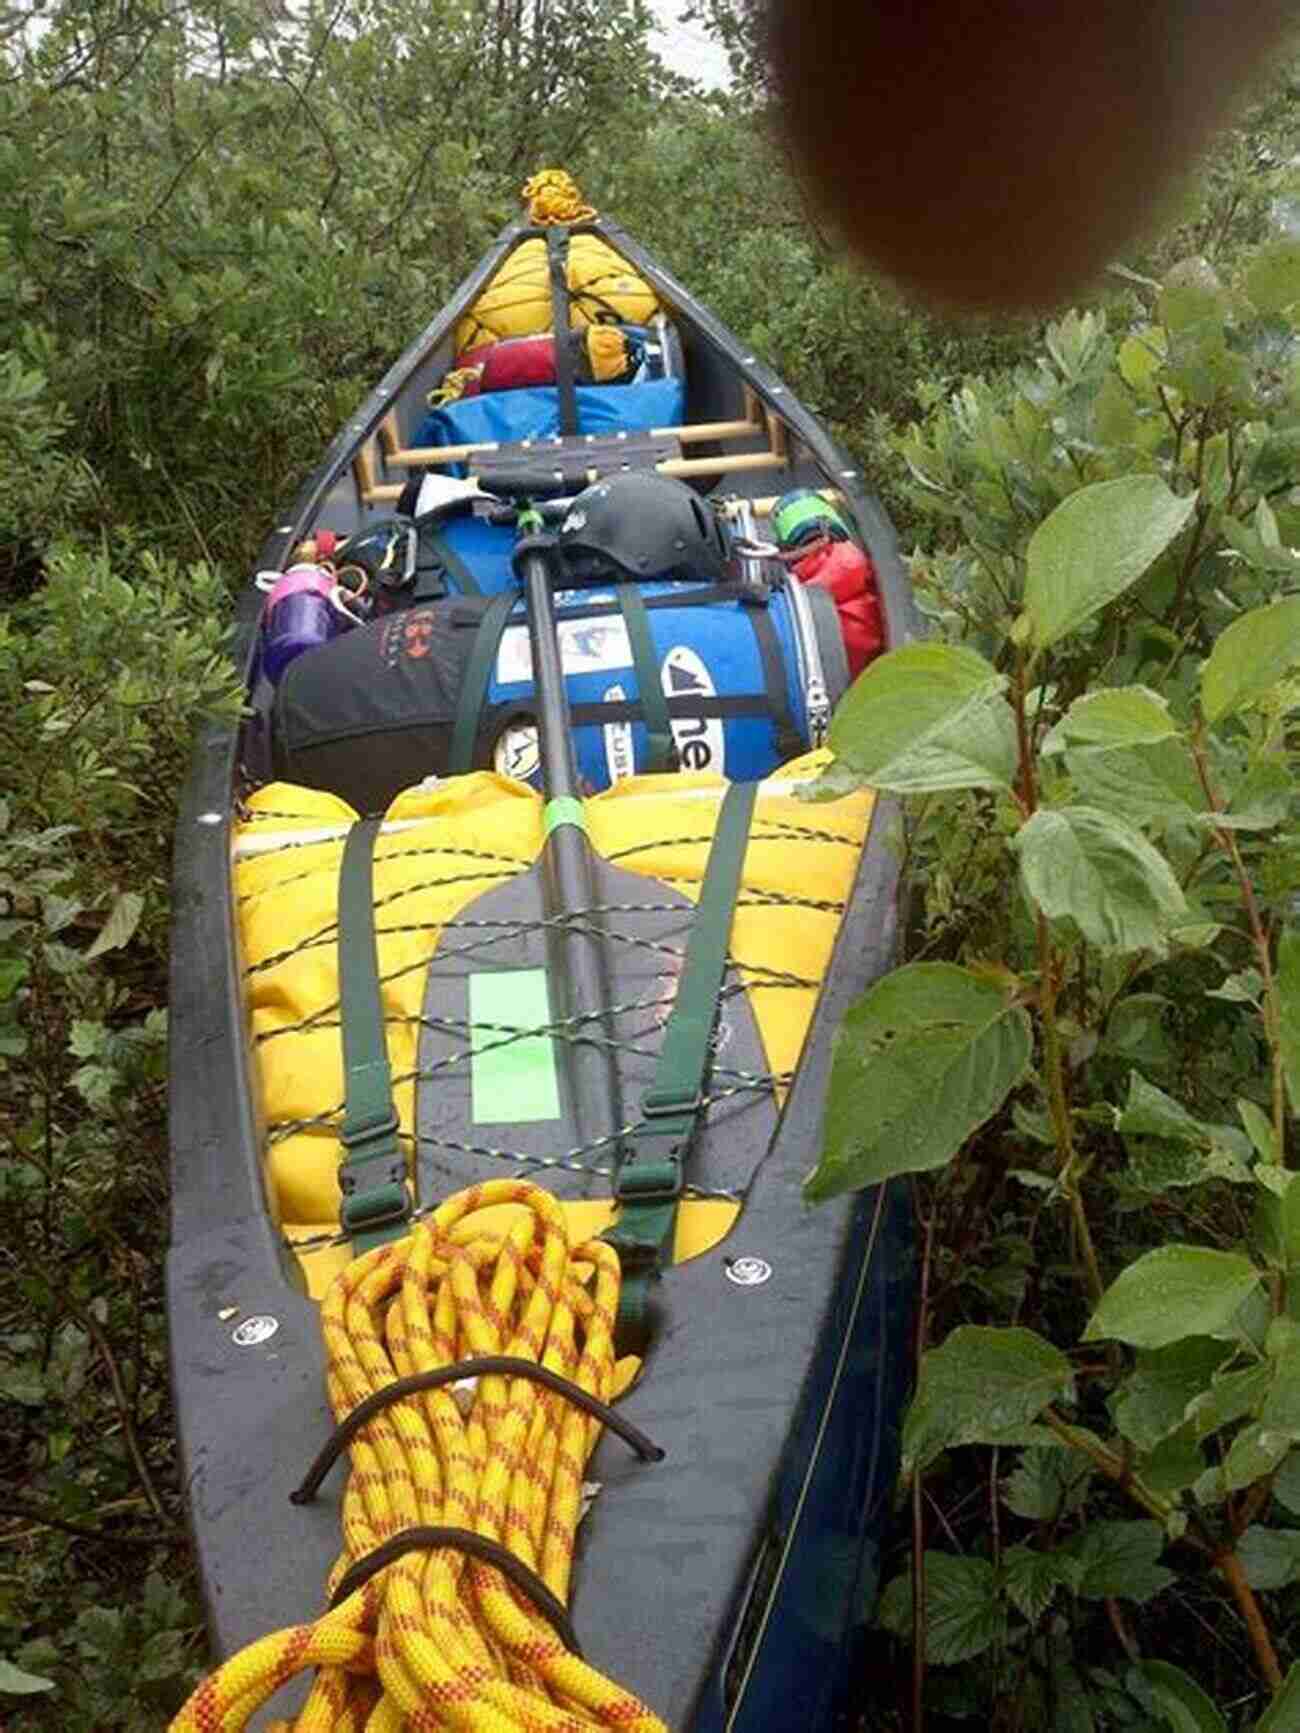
{"x": 1114, "y": 717}
{"x": 1250, "y": 546}
{"x": 964, "y": 1613}
{"x": 164, "y": 1656}
{"x": 1261, "y": 802}
{"x": 1270, "y": 1557}
{"x": 918, "y": 1064}
{"x": 1239, "y": 989}
{"x": 1049, "y": 1481}
{"x": 1172, "y": 1466}
{"x": 1154, "y": 784}
{"x": 1283, "y": 1713}
{"x": 1231, "y": 1395}
{"x": 1031, "y": 1579}
{"x": 977, "y": 749}
{"x": 1286, "y": 1483}
{"x": 123, "y": 919}
{"x": 1101, "y": 873}
{"x": 1159, "y": 1165}
{"x": 1259, "y": 1128}
{"x": 1192, "y": 294}
{"x": 1281, "y": 1409}
{"x": 1179, "y": 1699}
{"x": 1153, "y": 1400}
{"x": 1289, "y": 1222}
{"x": 1287, "y": 977}
{"x": 1277, "y": 461}
{"x": 1135, "y": 1029}
{"x": 1093, "y": 546}
{"x": 927, "y": 716}
{"x": 835, "y": 781}
{"x": 1250, "y": 656}
{"x": 1172, "y": 1292}
{"x": 14, "y": 1682}
{"x": 1273, "y": 276}
{"x": 23, "y": 1384}
{"x": 1254, "y": 1452}
{"x": 1149, "y": 1112}
{"x": 981, "y": 1386}
{"x": 1140, "y": 357}
{"x": 1119, "y": 1558}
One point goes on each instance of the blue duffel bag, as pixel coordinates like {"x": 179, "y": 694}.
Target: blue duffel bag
{"x": 446, "y": 686}
{"x": 747, "y": 684}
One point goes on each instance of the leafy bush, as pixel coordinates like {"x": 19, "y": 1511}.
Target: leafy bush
{"x": 1104, "y": 1006}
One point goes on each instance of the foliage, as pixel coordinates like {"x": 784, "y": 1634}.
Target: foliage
{"x": 1101, "y": 828}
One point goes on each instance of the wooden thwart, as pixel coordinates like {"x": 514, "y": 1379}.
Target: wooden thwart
{"x": 758, "y": 420}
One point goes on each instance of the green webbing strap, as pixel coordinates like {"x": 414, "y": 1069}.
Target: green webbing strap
{"x": 376, "y": 1205}
{"x": 789, "y": 742}
{"x": 448, "y": 558}
{"x": 557, "y": 259}
{"x": 474, "y": 686}
{"x": 650, "y": 1178}
{"x": 649, "y": 684}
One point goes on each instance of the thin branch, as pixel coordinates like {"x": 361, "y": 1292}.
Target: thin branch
{"x": 95, "y": 1330}
{"x": 16, "y": 1508}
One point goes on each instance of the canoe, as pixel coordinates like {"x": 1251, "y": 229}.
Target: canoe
{"x": 729, "y": 1584}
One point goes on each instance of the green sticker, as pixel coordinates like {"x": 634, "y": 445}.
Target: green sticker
{"x": 564, "y": 809}
{"x": 511, "y": 1080}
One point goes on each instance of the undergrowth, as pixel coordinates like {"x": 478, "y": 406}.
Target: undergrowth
{"x": 1091, "y": 1060}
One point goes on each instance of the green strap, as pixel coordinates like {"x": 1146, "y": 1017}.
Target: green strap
{"x": 650, "y": 1178}
{"x": 376, "y": 1205}
{"x": 474, "y": 686}
{"x": 789, "y": 742}
{"x": 649, "y": 685}
{"x": 448, "y": 558}
{"x": 557, "y": 260}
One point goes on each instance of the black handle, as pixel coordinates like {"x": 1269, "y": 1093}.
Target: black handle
{"x": 533, "y": 483}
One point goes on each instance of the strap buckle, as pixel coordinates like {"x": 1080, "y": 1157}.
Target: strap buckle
{"x": 637, "y": 1257}
{"x": 380, "y": 1206}
{"x": 672, "y": 1101}
{"x": 650, "y": 1179}
{"x": 357, "y": 1134}
{"x": 367, "y": 1204}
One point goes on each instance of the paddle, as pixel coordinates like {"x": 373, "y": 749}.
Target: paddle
{"x": 546, "y": 997}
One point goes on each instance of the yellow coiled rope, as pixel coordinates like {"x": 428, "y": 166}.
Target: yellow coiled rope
{"x": 438, "y": 1639}
{"x": 555, "y": 197}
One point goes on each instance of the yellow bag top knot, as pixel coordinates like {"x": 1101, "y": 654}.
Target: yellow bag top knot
{"x": 454, "y": 385}
{"x": 555, "y": 197}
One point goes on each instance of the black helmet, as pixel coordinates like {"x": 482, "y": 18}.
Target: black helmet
{"x": 643, "y": 526}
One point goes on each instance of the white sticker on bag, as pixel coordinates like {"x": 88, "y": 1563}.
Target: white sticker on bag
{"x": 701, "y": 740}
{"x": 517, "y": 753}
{"x": 586, "y": 647}
{"x": 619, "y": 760}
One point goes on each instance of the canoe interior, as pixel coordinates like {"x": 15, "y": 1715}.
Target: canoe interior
{"x": 730, "y": 1582}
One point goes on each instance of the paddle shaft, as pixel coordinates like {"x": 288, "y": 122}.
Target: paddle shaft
{"x": 554, "y": 730}
{"x": 579, "y": 989}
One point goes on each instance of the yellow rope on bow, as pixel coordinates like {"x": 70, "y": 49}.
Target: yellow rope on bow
{"x": 437, "y": 1639}
{"x": 555, "y": 197}
{"x": 454, "y": 385}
